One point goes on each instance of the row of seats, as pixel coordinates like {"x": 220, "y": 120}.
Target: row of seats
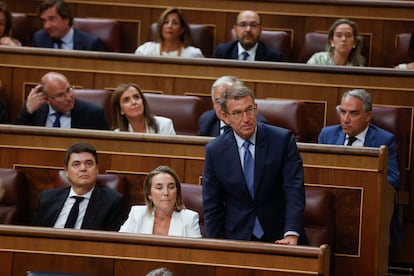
{"x": 319, "y": 211}
{"x": 186, "y": 110}
{"x": 108, "y": 30}
{"x": 291, "y": 114}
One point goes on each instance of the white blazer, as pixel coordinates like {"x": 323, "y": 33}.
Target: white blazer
{"x": 165, "y": 126}
{"x": 183, "y": 224}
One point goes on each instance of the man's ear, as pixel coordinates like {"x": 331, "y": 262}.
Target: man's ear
{"x": 369, "y": 116}
{"x": 225, "y": 117}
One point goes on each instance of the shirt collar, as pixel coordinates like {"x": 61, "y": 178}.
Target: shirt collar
{"x": 361, "y": 135}
{"x": 240, "y": 140}
{"x": 252, "y": 51}
{"x": 68, "y": 38}
{"x": 87, "y": 195}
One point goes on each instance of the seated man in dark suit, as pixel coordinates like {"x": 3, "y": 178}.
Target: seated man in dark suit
{"x": 211, "y": 122}
{"x": 247, "y": 46}
{"x": 83, "y": 205}
{"x": 356, "y": 130}
{"x": 52, "y": 104}
{"x": 58, "y": 32}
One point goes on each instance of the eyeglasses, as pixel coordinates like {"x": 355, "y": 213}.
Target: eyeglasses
{"x": 237, "y": 115}
{"x": 62, "y": 95}
{"x": 252, "y": 25}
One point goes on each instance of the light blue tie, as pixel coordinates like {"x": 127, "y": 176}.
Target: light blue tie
{"x": 249, "y": 176}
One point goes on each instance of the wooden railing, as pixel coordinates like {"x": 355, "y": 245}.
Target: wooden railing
{"x": 117, "y": 254}
{"x": 363, "y": 201}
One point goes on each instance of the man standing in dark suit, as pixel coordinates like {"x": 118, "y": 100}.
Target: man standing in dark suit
{"x": 211, "y": 122}
{"x": 253, "y": 185}
{"x": 83, "y": 205}
{"x": 58, "y": 32}
{"x": 356, "y": 130}
{"x": 52, "y": 104}
{"x": 247, "y": 46}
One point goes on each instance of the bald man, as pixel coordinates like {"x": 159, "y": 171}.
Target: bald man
{"x": 52, "y": 104}
{"x": 248, "y": 29}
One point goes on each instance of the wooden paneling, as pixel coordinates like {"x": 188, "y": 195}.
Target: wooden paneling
{"x": 117, "y": 254}
{"x": 363, "y": 201}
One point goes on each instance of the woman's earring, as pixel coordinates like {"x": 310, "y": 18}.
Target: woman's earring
{"x": 332, "y": 45}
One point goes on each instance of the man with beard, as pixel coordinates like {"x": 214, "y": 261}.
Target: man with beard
{"x": 248, "y": 29}
{"x": 52, "y": 103}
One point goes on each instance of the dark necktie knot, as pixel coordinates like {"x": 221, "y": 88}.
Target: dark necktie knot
{"x": 56, "y": 123}
{"x": 351, "y": 140}
{"x": 224, "y": 128}
{"x": 58, "y": 43}
{"x": 74, "y": 212}
{"x": 245, "y": 55}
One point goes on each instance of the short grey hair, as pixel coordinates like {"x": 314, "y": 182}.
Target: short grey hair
{"x": 234, "y": 92}
{"x": 162, "y": 271}
{"x": 361, "y": 94}
{"x": 230, "y": 80}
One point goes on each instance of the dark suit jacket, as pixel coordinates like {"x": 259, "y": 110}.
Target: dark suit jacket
{"x": 3, "y": 114}
{"x": 229, "y": 210}
{"x": 81, "y": 41}
{"x": 84, "y": 115}
{"x": 209, "y": 124}
{"x": 375, "y": 138}
{"x": 105, "y": 211}
{"x": 229, "y": 50}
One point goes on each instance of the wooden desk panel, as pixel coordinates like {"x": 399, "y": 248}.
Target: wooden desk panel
{"x": 109, "y": 253}
{"x": 356, "y": 176}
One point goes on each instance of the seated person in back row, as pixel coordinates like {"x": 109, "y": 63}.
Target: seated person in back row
{"x": 344, "y": 46}
{"x": 174, "y": 38}
{"x": 83, "y": 205}
{"x": 6, "y": 26}
{"x": 52, "y": 104}
{"x": 131, "y": 112}
{"x": 58, "y": 32}
{"x": 248, "y": 29}
{"x": 356, "y": 130}
{"x": 211, "y": 122}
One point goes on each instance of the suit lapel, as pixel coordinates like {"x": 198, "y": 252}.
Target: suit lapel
{"x": 147, "y": 223}
{"x": 235, "y": 51}
{"x": 176, "y": 225}
{"x": 370, "y": 138}
{"x": 260, "y": 154}
{"x": 57, "y": 207}
{"x": 92, "y": 209}
{"x": 340, "y": 137}
{"x": 230, "y": 151}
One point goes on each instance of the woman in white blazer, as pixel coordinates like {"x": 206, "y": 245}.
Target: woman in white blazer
{"x": 164, "y": 212}
{"x": 131, "y": 112}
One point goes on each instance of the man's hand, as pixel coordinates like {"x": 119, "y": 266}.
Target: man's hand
{"x": 35, "y": 99}
{"x": 288, "y": 240}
